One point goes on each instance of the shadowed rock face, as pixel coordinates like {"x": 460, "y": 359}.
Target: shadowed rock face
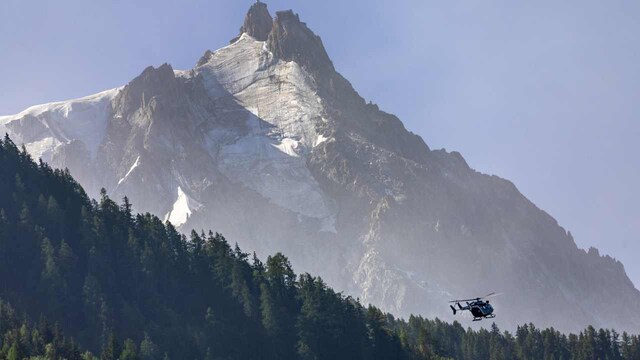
{"x": 152, "y": 83}
{"x": 258, "y": 22}
{"x": 272, "y": 147}
{"x": 292, "y": 40}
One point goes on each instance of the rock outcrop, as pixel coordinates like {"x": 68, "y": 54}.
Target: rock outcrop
{"x": 258, "y": 22}
{"x": 291, "y": 40}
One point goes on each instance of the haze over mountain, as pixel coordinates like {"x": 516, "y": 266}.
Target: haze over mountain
{"x": 265, "y": 142}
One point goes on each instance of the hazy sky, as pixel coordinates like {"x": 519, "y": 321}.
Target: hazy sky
{"x": 545, "y": 93}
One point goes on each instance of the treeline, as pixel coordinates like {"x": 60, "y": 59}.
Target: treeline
{"x": 128, "y": 286}
{"x": 109, "y": 278}
{"x": 21, "y": 339}
{"x": 435, "y": 339}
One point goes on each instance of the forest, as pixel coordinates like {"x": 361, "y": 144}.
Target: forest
{"x": 89, "y": 279}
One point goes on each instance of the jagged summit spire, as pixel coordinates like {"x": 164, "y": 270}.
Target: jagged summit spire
{"x": 291, "y": 39}
{"x": 286, "y": 36}
{"x": 258, "y": 22}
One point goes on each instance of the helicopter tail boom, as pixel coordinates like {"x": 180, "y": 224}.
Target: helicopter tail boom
{"x": 454, "y": 309}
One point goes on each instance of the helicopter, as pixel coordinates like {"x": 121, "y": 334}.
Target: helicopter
{"x": 479, "y": 307}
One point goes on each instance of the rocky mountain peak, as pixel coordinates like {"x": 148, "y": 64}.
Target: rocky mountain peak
{"x": 153, "y": 82}
{"x": 258, "y": 22}
{"x": 291, "y": 40}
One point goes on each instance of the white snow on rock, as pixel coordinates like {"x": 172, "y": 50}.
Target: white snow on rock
{"x": 283, "y": 107}
{"x": 182, "y": 73}
{"x": 277, "y": 92}
{"x": 42, "y": 149}
{"x": 274, "y": 168}
{"x": 182, "y": 209}
{"x": 42, "y": 128}
{"x": 319, "y": 140}
{"x": 289, "y": 146}
{"x": 133, "y": 167}
{"x": 271, "y": 158}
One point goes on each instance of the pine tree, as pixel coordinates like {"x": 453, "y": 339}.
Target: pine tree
{"x": 310, "y": 323}
{"x": 148, "y": 349}
{"x": 634, "y": 348}
{"x": 55, "y": 216}
{"x": 589, "y": 346}
{"x": 67, "y": 258}
{"x": 4, "y": 247}
{"x": 625, "y": 345}
{"x": 111, "y": 349}
{"x": 496, "y": 349}
{"x": 268, "y": 310}
{"x": 129, "y": 351}
{"x": 51, "y": 271}
{"x": 278, "y": 303}
{"x": 615, "y": 345}
{"x": 603, "y": 345}
{"x": 13, "y": 353}
{"x": 127, "y": 209}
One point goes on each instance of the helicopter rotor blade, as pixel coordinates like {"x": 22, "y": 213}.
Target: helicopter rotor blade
{"x": 463, "y": 300}
{"x": 493, "y": 294}
{"x": 490, "y": 295}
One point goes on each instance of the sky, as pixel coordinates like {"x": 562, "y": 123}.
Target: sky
{"x": 544, "y": 93}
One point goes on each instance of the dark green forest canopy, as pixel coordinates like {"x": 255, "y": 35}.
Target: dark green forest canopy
{"x": 81, "y": 277}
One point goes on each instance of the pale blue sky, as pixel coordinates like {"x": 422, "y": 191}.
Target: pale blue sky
{"x": 545, "y": 93}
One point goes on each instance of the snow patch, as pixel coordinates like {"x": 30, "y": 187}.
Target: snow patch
{"x": 275, "y": 168}
{"x": 182, "y": 209}
{"x": 42, "y": 149}
{"x": 135, "y": 165}
{"x": 289, "y": 147}
{"x": 319, "y": 140}
{"x": 183, "y": 73}
{"x": 285, "y": 109}
{"x": 44, "y": 127}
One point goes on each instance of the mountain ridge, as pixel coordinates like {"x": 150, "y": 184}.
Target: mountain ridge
{"x": 96, "y": 272}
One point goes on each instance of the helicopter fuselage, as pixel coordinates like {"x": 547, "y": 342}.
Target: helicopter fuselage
{"x": 479, "y": 309}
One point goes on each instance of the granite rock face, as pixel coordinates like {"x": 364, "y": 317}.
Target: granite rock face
{"x": 266, "y": 143}
{"x": 258, "y": 22}
{"x": 291, "y": 40}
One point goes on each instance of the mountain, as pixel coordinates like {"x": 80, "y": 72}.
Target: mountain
{"x": 130, "y": 287}
{"x": 264, "y": 141}
{"x": 103, "y": 274}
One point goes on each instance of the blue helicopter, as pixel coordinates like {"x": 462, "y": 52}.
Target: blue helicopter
{"x": 479, "y": 307}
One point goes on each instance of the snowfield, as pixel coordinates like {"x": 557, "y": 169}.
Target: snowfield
{"x": 43, "y": 128}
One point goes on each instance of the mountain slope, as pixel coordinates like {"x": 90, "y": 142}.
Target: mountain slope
{"x": 103, "y": 274}
{"x": 266, "y": 142}
{"x": 95, "y": 271}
